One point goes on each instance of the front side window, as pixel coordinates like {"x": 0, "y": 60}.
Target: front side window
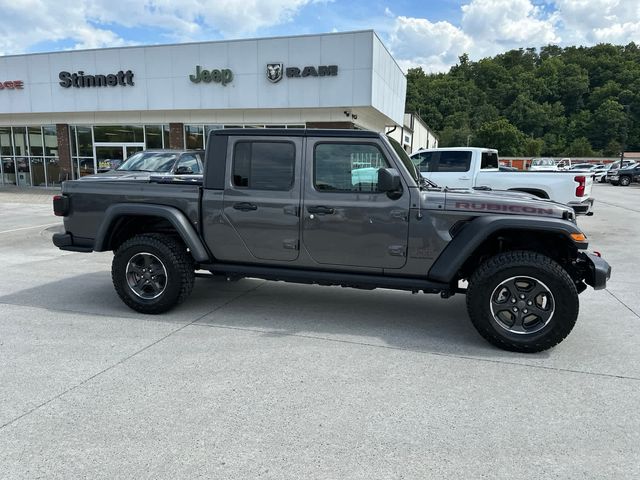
{"x": 345, "y": 167}
{"x": 454, "y": 161}
{"x": 423, "y": 161}
{"x": 264, "y": 165}
{"x": 191, "y": 162}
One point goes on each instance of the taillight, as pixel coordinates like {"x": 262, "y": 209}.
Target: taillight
{"x": 582, "y": 180}
{"x": 60, "y": 205}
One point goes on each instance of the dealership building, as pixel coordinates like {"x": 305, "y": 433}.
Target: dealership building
{"x": 67, "y": 114}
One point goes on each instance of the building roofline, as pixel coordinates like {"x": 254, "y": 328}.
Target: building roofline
{"x": 253, "y": 39}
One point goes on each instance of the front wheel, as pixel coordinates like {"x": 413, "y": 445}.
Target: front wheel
{"x": 625, "y": 181}
{"x": 152, "y": 273}
{"x": 522, "y": 301}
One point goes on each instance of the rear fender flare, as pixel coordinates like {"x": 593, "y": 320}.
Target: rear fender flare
{"x": 174, "y": 216}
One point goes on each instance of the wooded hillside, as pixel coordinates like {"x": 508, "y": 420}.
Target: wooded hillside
{"x": 575, "y": 101}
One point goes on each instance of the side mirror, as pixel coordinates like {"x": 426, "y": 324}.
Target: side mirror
{"x": 183, "y": 170}
{"x": 388, "y": 180}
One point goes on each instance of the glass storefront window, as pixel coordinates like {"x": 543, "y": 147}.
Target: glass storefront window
{"x": 50, "y": 136}
{"x": 23, "y": 172}
{"x": 20, "y": 140}
{"x": 194, "y": 136}
{"x": 37, "y": 172}
{"x": 35, "y": 141}
{"x": 153, "y": 136}
{"x": 165, "y": 131}
{"x": 118, "y": 133}
{"x": 5, "y": 141}
{"x": 8, "y": 171}
{"x": 85, "y": 141}
{"x": 53, "y": 171}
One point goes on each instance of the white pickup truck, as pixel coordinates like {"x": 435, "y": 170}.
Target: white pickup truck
{"x": 469, "y": 167}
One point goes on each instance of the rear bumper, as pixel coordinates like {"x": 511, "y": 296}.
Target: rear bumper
{"x": 65, "y": 241}
{"x": 583, "y": 207}
{"x": 597, "y": 271}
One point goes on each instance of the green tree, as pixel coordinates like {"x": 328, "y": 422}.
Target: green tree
{"x": 533, "y": 147}
{"x": 502, "y": 135}
{"x": 580, "y": 147}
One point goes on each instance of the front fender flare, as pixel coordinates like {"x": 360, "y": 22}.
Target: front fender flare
{"x": 171, "y": 214}
{"x": 474, "y": 233}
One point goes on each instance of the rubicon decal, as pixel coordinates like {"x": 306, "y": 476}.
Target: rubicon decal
{"x": 222, "y": 76}
{"x": 82, "y": 80}
{"x": 11, "y": 84}
{"x": 495, "y": 207}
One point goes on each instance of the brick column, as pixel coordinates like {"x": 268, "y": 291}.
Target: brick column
{"x": 64, "y": 152}
{"x": 176, "y": 135}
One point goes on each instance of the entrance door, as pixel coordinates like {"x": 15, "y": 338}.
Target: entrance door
{"x": 111, "y": 155}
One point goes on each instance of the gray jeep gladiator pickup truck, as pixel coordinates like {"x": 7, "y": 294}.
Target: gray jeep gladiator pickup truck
{"x": 338, "y": 207}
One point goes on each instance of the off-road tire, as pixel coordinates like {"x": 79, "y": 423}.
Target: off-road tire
{"x": 503, "y": 266}
{"x": 625, "y": 181}
{"x": 177, "y": 261}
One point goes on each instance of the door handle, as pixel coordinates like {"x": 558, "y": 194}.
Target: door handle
{"x": 464, "y": 178}
{"x": 321, "y": 210}
{"x": 245, "y": 206}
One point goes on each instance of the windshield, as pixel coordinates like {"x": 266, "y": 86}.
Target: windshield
{"x": 149, "y": 162}
{"x": 543, "y": 162}
{"x": 405, "y": 159}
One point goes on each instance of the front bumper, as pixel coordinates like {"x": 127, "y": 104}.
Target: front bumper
{"x": 597, "y": 271}
{"x": 583, "y": 207}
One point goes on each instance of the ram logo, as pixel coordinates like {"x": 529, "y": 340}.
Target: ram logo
{"x": 274, "y": 72}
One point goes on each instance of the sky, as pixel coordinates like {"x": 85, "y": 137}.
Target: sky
{"x": 429, "y": 34}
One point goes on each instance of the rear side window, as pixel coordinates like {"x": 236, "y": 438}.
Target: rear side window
{"x": 454, "y": 161}
{"x": 489, "y": 160}
{"x": 264, "y": 165}
{"x": 347, "y": 167}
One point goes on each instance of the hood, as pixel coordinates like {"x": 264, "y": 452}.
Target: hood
{"x": 505, "y": 203}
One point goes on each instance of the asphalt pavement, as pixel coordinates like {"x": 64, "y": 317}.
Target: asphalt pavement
{"x": 255, "y": 379}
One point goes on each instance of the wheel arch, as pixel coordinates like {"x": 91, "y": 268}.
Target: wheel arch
{"x": 488, "y": 235}
{"x": 538, "y": 192}
{"x": 133, "y": 218}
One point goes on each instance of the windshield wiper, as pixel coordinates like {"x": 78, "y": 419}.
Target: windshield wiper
{"x": 425, "y": 182}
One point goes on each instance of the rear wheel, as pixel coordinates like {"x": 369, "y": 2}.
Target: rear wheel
{"x": 625, "y": 181}
{"x": 522, "y": 301}
{"x": 152, "y": 273}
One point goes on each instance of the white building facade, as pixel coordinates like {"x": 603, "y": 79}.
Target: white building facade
{"x": 62, "y": 114}
{"x": 413, "y": 134}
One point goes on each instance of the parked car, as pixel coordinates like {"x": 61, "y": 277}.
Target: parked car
{"x": 543, "y": 164}
{"x": 141, "y": 165}
{"x": 470, "y": 167}
{"x": 565, "y": 164}
{"x": 625, "y": 176}
{"x": 285, "y": 205}
{"x": 612, "y": 173}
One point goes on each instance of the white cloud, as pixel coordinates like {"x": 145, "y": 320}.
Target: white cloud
{"x": 498, "y": 25}
{"x": 419, "y": 42}
{"x": 90, "y": 24}
{"x": 593, "y": 21}
{"x": 489, "y": 27}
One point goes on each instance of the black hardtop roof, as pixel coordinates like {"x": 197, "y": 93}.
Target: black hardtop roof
{"x": 297, "y": 132}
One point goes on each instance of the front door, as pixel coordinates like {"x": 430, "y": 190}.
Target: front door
{"x": 347, "y": 222}
{"x": 261, "y": 202}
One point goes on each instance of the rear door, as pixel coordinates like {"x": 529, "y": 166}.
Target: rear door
{"x": 262, "y": 197}
{"x": 347, "y": 222}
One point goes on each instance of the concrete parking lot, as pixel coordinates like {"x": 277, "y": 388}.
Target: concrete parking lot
{"x": 268, "y": 380}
